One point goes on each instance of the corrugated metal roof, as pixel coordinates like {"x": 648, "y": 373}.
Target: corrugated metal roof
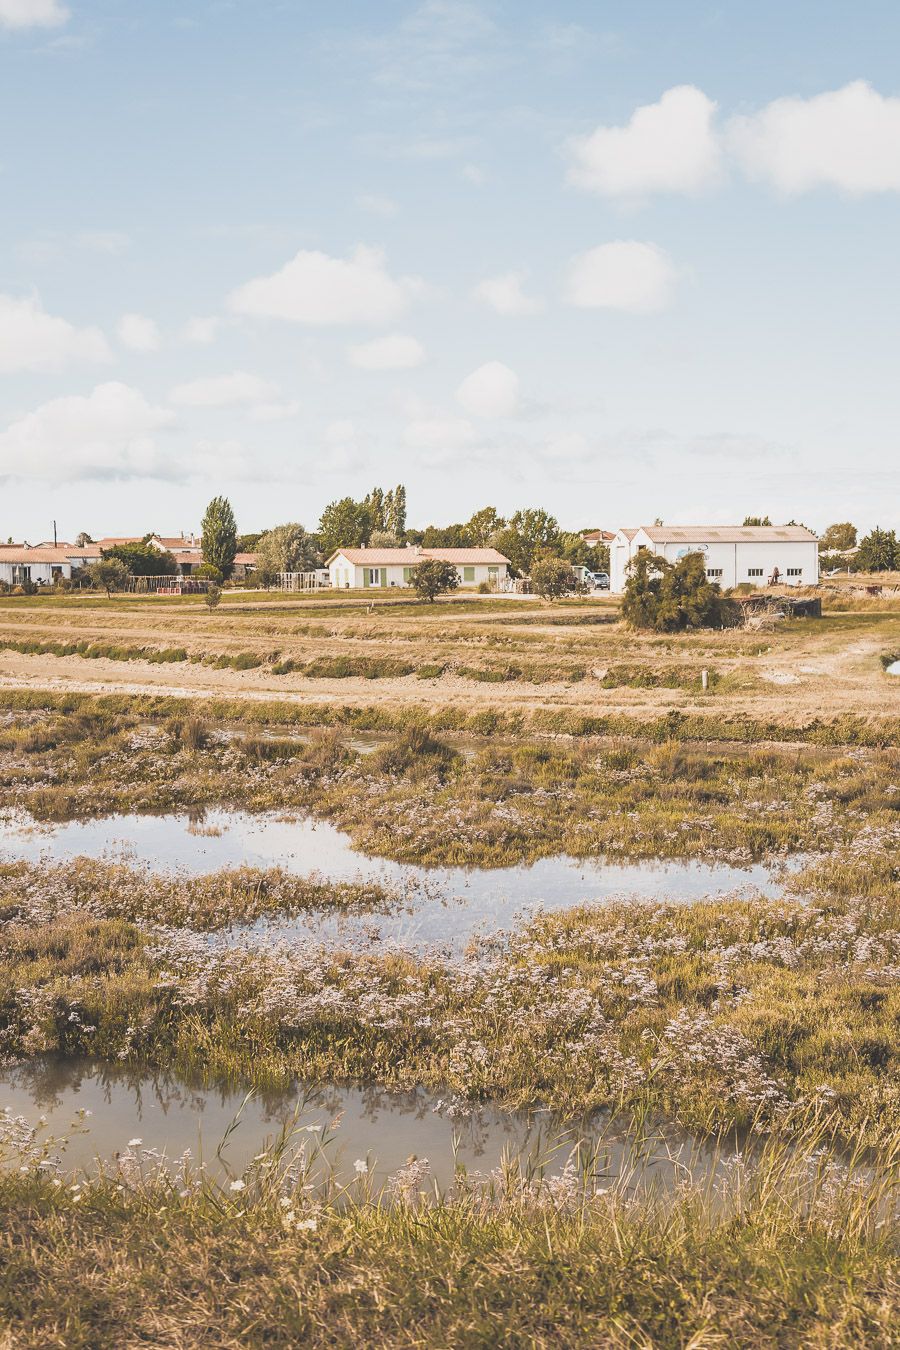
{"x": 729, "y": 534}
{"x": 409, "y": 557}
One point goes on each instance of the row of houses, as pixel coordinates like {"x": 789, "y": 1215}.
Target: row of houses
{"x": 732, "y": 555}
{"x": 43, "y": 563}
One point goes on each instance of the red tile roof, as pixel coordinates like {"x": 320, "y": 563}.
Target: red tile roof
{"x": 410, "y": 557}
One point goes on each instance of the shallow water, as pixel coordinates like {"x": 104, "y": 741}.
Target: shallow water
{"x": 447, "y": 905}
{"x": 384, "y": 1129}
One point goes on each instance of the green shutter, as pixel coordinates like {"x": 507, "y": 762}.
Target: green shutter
{"x": 365, "y": 576}
{"x": 384, "y": 576}
{"x": 468, "y": 574}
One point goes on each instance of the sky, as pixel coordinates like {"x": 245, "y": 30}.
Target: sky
{"x": 624, "y": 261}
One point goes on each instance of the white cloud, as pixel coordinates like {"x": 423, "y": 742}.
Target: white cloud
{"x": 439, "y": 433}
{"x": 138, "y": 333}
{"x": 568, "y": 447}
{"x": 202, "y": 331}
{"x": 475, "y": 174}
{"x": 847, "y": 138}
{"x": 32, "y": 14}
{"x": 624, "y": 274}
{"x": 219, "y": 391}
{"x": 669, "y": 146}
{"x": 274, "y": 412}
{"x": 490, "y": 391}
{"x": 504, "y": 294}
{"x": 31, "y": 339}
{"x": 106, "y": 434}
{"x": 315, "y": 288}
{"x": 397, "y": 351}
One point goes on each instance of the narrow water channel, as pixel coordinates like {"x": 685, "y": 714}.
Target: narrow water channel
{"x": 146, "y": 1113}
{"x": 446, "y": 906}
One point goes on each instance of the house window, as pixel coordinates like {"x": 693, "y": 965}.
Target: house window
{"x": 493, "y": 573}
{"x": 754, "y": 571}
{"x": 372, "y": 576}
{"x": 468, "y": 574}
{"x": 713, "y": 571}
{"x": 407, "y": 575}
{"x": 795, "y": 571}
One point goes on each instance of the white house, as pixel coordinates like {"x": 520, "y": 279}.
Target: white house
{"x": 384, "y": 567}
{"x": 758, "y": 554}
{"x": 43, "y": 563}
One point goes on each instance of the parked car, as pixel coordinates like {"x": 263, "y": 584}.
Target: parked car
{"x": 601, "y": 581}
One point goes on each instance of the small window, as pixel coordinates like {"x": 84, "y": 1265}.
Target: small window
{"x": 374, "y": 576}
{"x": 713, "y": 571}
{"x": 407, "y": 575}
{"x": 795, "y": 571}
{"x": 468, "y": 574}
{"x": 754, "y": 571}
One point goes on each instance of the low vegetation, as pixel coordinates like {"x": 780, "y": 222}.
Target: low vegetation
{"x": 789, "y": 1250}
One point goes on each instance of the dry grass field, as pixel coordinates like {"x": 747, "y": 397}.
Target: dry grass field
{"x": 460, "y": 652}
{"x": 501, "y": 732}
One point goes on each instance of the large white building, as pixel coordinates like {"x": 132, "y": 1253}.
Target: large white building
{"x": 756, "y": 554}
{"x": 370, "y": 567}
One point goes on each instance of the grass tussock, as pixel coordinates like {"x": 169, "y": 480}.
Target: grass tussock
{"x": 790, "y": 1250}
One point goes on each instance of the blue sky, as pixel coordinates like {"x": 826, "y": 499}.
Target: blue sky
{"x": 619, "y": 260}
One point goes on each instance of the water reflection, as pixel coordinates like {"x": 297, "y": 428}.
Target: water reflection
{"x": 449, "y": 905}
{"x": 168, "y": 1113}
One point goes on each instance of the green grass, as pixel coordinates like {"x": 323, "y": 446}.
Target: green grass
{"x": 786, "y": 1257}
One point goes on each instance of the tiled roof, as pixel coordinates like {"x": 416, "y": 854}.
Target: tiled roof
{"x": 729, "y": 534}
{"x": 18, "y": 554}
{"x": 409, "y": 557}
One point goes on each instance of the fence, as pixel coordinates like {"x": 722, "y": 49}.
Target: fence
{"x": 302, "y": 581}
{"x": 168, "y": 585}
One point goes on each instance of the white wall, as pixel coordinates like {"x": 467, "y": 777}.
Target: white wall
{"x": 342, "y": 574}
{"x": 37, "y": 571}
{"x": 734, "y": 561}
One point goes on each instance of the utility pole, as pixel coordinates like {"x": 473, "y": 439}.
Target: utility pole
{"x": 54, "y": 534}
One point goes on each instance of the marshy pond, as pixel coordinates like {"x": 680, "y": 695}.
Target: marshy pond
{"x": 104, "y": 1112}
{"x": 440, "y": 906}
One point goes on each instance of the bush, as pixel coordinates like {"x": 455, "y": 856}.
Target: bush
{"x": 207, "y": 572}
{"x": 109, "y": 574}
{"x": 669, "y": 597}
{"x": 552, "y": 578}
{"x": 213, "y": 596}
{"x": 432, "y": 578}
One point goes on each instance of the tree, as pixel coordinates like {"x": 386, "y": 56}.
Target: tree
{"x": 433, "y": 577}
{"x": 447, "y": 536}
{"x": 879, "y": 551}
{"x": 219, "y": 532}
{"x": 213, "y": 596}
{"x": 669, "y": 597}
{"x": 384, "y": 539}
{"x": 484, "y": 525}
{"x": 109, "y": 573}
{"x": 246, "y": 543}
{"x": 552, "y": 578}
{"x": 344, "y": 524}
{"x": 83, "y": 538}
{"x": 838, "y": 538}
{"x": 374, "y": 500}
{"x": 142, "y": 560}
{"x": 529, "y": 534}
{"x": 395, "y": 516}
{"x": 757, "y": 520}
{"x": 286, "y": 548}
